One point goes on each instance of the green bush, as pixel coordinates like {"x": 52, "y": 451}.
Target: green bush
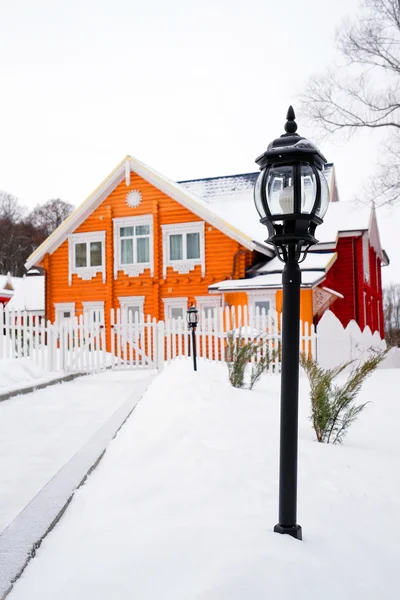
{"x": 332, "y": 405}
{"x": 240, "y": 355}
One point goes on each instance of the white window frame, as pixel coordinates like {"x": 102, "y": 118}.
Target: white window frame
{"x": 126, "y": 302}
{"x": 134, "y": 269}
{"x": 185, "y": 265}
{"x": 89, "y": 308}
{"x": 207, "y": 301}
{"x": 254, "y": 296}
{"x": 62, "y": 307}
{"x": 87, "y": 272}
{"x": 170, "y": 303}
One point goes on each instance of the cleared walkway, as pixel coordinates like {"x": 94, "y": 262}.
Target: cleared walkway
{"x": 48, "y": 441}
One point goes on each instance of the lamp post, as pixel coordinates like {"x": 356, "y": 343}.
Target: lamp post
{"x": 291, "y": 196}
{"x": 192, "y": 316}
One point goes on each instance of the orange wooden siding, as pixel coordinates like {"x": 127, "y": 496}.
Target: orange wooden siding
{"x": 219, "y": 257}
{"x": 220, "y": 261}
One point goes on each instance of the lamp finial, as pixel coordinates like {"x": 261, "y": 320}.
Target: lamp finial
{"x": 290, "y": 125}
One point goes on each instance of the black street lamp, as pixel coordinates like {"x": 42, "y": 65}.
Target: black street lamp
{"x": 291, "y": 196}
{"x": 192, "y": 316}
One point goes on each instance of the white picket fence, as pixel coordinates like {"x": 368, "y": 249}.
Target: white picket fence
{"x": 81, "y": 345}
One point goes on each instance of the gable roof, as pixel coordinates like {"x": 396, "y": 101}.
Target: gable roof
{"x": 185, "y": 197}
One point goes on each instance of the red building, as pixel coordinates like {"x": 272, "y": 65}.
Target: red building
{"x": 352, "y": 231}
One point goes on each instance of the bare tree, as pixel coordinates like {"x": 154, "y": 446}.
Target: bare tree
{"x": 10, "y": 208}
{"x": 364, "y": 91}
{"x": 50, "y": 215}
{"x": 391, "y": 308}
{"x": 14, "y": 242}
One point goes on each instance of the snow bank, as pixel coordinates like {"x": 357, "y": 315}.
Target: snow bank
{"x": 20, "y": 373}
{"x": 184, "y": 502}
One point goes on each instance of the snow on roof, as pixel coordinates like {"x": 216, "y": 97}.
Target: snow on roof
{"x": 214, "y": 189}
{"x": 271, "y": 280}
{"x": 231, "y": 198}
{"x": 316, "y": 261}
{"x": 343, "y": 216}
{"x": 29, "y": 295}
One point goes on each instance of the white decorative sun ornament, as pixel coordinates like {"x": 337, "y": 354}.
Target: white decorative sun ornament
{"x": 133, "y": 198}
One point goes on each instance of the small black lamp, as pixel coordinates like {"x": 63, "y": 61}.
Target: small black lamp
{"x": 192, "y": 317}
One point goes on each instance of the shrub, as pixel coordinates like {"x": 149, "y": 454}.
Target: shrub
{"x": 240, "y": 354}
{"x": 332, "y": 405}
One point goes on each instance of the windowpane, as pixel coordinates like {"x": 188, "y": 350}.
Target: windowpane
{"x": 127, "y": 252}
{"x": 143, "y": 250}
{"x": 175, "y": 247}
{"x": 193, "y": 245}
{"x": 176, "y": 312}
{"x": 142, "y": 229}
{"x": 95, "y": 254}
{"x": 126, "y": 231}
{"x": 209, "y": 312}
{"x": 133, "y": 314}
{"x": 80, "y": 255}
{"x": 262, "y": 305}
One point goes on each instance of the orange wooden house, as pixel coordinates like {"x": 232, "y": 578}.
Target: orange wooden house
{"x": 142, "y": 243}
{"x": 150, "y": 246}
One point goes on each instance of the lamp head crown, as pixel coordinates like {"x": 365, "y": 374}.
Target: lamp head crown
{"x": 291, "y": 125}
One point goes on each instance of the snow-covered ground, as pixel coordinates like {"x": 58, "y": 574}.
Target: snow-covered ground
{"x": 40, "y": 432}
{"x": 184, "y": 502}
{"x": 16, "y": 374}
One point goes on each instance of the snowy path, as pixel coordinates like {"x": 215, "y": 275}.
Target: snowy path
{"x": 124, "y": 391}
{"x": 41, "y": 432}
{"x": 183, "y": 504}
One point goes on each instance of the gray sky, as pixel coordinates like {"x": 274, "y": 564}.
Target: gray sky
{"x": 192, "y": 88}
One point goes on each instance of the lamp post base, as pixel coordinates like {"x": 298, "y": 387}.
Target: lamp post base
{"x": 294, "y": 531}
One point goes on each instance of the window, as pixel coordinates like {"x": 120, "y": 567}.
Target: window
{"x": 93, "y": 312}
{"x": 262, "y": 306}
{"x": 260, "y": 302}
{"x": 175, "y": 308}
{"x": 133, "y": 245}
{"x": 64, "y": 311}
{"x": 87, "y": 255}
{"x": 183, "y": 247}
{"x": 208, "y": 307}
{"x": 132, "y": 308}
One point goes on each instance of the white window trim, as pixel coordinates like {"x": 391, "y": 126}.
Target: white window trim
{"x": 211, "y": 301}
{"x": 170, "y": 303}
{"x": 254, "y": 296}
{"x": 62, "y": 307}
{"x": 126, "y": 301}
{"x": 88, "y": 307}
{"x": 136, "y": 269}
{"x": 86, "y": 273}
{"x": 186, "y": 265}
